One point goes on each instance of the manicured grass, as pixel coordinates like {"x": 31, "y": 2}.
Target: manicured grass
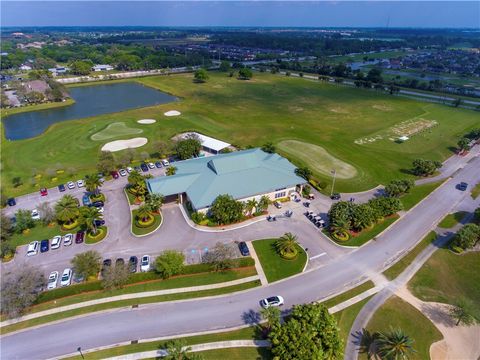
{"x": 397, "y": 313}
{"x": 349, "y": 294}
{"x": 448, "y": 278}
{"x": 145, "y": 230}
{"x": 418, "y": 193}
{"x": 451, "y": 220}
{"x": 39, "y": 232}
{"x": 242, "y": 353}
{"x": 396, "y": 269}
{"x": 274, "y": 266}
{"x": 51, "y": 105}
{"x": 276, "y": 109}
{"x": 125, "y": 303}
{"x": 476, "y": 191}
{"x": 89, "y": 239}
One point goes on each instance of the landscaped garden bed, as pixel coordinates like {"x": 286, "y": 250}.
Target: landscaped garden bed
{"x": 140, "y": 227}
{"x": 99, "y": 236}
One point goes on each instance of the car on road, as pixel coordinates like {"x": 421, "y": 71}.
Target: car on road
{"x": 122, "y": 172}
{"x": 145, "y": 263}
{"x": 158, "y": 164}
{"x": 144, "y": 167}
{"x": 98, "y": 203}
{"x": 44, "y": 246}
{"x": 43, "y": 192}
{"x": 278, "y": 204}
{"x": 71, "y": 185}
{"x": 66, "y": 278}
{"x": 462, "y": 186}
{"x": 67, "y": 240}
{"x": 86, "y": 200}
{"x": 11, "y": 202}
{"x": 272, "y": 301}
{"x": 151, "y": 165}
{"x": 243, "y": 248}
{"x": 129, "y": 169}
{"x": 52, "y": 280}
{"x": 61, "y": 188}
{"x": 115, "y": 174}
{"x": 335, "y": 196}
{"x": 106, "y": 264}
{"x": 32, "y": 248}
{"x": 35, "y": 214}
{"x": 165, "y": 162}
{"x": 132, "y": 264}
{"x": 79, "y": 237}
{"x": 80, "y": 183}
{"x": 99, "y": 222}
{"x": 56, "y": 241}
{"x": 119, "y": 261}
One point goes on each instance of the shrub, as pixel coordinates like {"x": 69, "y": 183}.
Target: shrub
{"x": 144, "y": 224}
{"x": 169, "y": 263}
{"x": 70, "y": 226}
{"x": 340, "y": 235}
{"x": 289, "y": 255}
{"x": 69, "y": 291}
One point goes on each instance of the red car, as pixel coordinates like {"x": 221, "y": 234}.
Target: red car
{"x": 43, "y": 192}
{"x": 79, "y": 237}
{"x": 115, "y": 174}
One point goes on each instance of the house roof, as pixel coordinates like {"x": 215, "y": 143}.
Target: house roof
{"x": 210, "y": 142}
{"x": 240, "y": 174}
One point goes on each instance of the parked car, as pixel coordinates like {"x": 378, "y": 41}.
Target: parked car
{"x": 44, "y": 246}
{"x": 119, "y": 261}
{"x": 86, "y": 200}
{"x": 77, "y": 278}
{"x": 99, "y": 222}
{"x": 129, "y": 169}
{"x": 115, "y": 174}
{"x": 138, "y": 168}
{"x": 158, "y": 164}
{"x": 106, "y": 264}
{"x": 52, "y": 280}
{"x": 98, "y": 203}
{"x": 144, "y": 167}
{"x": 335, "y": 196}
{"x": 278, "y": 204}
{"x": 61, "y": 188}
{"x": 56, "y": 241}
{"x": 67, "y": 240}
{"x": 11, "y": 202}
{"x": 80, "y": 183}
{"x": 145, "y": 263}
{"x": 272, "y": 301}
{"x": 151, "y": 165}
{"x": 122, "y": 172}
{"x": 101, "y": 209}
{"x": 132, "y": 264}
{"x": 165, "y": 162}
{"x": 462, "y": 186}
{"x": 79, "y": 237}
{"x": 32, "y": 248}
{"x": 244, "y": 248}
{"x": 71, "y": 185}
{"x": 35, "y": 214}
{"x": 66, "y": 277}
{"x": 43, "y": 192}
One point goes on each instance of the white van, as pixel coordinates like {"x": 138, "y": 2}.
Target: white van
{"x": 32, "y": 248}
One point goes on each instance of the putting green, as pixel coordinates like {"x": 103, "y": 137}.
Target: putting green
{"x": 317, "y": 158}
{"x": 114, "y": 130}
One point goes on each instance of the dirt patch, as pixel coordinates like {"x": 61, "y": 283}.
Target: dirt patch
{"x": 339, "y": 110}
{"x": 382, "y": 107}
{"x": 412, "y": 127}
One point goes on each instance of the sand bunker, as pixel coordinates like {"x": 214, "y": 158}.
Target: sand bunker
{"x": 147, "y": 121}
{"x": 115, "y": 129}
{"x": 124, "y": 144}
{"x": 172, "y": 113}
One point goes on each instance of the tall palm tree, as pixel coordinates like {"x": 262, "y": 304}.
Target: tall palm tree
{"x": 250, "y": 205}
{"x": 144, "y": 212}
{"x": 341, "y": 224}
{"x": 271, "y": 315}
{"x": 88, "y": 216}
{"x": 462, "y": 313}
{"x": 394, "y": 345}
{"x": 135, "y": 177}
{"x": 287, "y": 243}
{"x": 171, "y": 170}
{"x": 93, "y": 183}
{"x": 263, "y": 203}
{"x": 66, "y": 209}
{"x": 155, "y": 202}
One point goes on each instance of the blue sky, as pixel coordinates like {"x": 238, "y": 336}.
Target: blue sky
{"x": 242, "y": 13}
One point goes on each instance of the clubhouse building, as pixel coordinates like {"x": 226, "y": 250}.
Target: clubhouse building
{"x": 247, "y": 174}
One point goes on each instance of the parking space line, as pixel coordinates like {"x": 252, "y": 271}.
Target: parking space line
{"x": 317, "y": 256}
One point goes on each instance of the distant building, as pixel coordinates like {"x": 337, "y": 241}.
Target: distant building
{"x": 4, "y": 54}
{"x": 102, "y": 67}
{"x": 25, "y": 67}
{"x": 59, "y": 70}
{"x": 40, "y": 86}
{"x": 209, "y": 144}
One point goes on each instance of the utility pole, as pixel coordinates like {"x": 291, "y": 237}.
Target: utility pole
{"x": 334, "y": 172}
{"x": 79, "y": 349}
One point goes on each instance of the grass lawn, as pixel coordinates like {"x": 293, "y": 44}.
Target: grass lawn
{"x": 447, "y": 278}
{"x": 274, "y": 266}
{"x": 51, "y": 105}
{"x": 476, "y": 191}
{"x": 145, "y": 230}
{"x": 396, "y": 269}
{"x": 418, "y": 193}
{"x": 124, "y": 303}
{"x": 451, "y": 220}
{"x": 349, "y": 294}
{"x": 397, "y": 313}
{"x": 243, "y": 353}
{"x": 273, "y": 108}
{"x": 39, "y": 232}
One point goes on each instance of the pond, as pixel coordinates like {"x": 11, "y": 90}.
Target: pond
{"x": 90, "y": 100}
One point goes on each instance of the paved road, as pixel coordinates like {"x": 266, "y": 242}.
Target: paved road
{"x": 230, "y": 310}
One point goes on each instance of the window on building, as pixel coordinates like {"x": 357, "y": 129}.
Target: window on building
{"x": 280, "y": 195}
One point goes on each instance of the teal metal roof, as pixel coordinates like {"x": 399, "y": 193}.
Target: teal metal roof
{"x": 240, "y": 174}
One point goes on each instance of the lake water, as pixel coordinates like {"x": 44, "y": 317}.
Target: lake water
{"x": 90, "y": 100}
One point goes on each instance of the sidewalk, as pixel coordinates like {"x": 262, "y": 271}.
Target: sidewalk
{"x": 258, "y": 265}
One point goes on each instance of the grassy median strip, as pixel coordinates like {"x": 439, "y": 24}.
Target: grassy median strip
{"x": 123, "y": 303}
{"x": 393, "y": 271}
{"x": 349, "y": 294}
{"x": 418, "y": 193}
{"x": 451, "y": 220}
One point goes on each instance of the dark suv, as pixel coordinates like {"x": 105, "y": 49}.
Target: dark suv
{"x": 79, "y": 237}
{"x": 44, "y": 246}
{"x": 462, "y": 186}
{"x": 243, "y": 248}
{"x": 132, "y": 264}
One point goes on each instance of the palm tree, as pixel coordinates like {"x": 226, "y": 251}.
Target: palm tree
{"x": 462, "y": 313}
{"x": 287, "y": 243}
{"x": 88, "y": 217}
{"x": 394, "y": 345}
{"x": 367, "y": 343}
{"x": 135, "y": 177}
{"x": 263, "y": 203}
{"x": 93, "y": 183}
{"x": 144, "y": 212}
{"x": 271, "y": 315}
{"x": 250, "y": 205}
{"x": 178, "y": 350}
{"x": 171, "y": 170}
{"x": 66, "y": 209}
{"x": 155, "y": 202}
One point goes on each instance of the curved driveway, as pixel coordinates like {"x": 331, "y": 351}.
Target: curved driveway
{"x": 230, "y": 310}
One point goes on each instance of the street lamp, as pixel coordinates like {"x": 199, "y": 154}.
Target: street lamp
{"x": 79, "y": 349}
{"x": 334, "y": 172}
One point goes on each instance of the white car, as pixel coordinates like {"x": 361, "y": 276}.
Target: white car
{"x": 56, "y": 241}
{"x": 32, "y": 248}
{"x": 129, "y": 169}
{"x": 80, "y": 183}
{"x": 68, "y": 240}
{"x": 35, "y": 214}
{"x": 145, "y": 263}
{"x": 122, "y": 172}
{"x": 101, "y": 210}
{"x": 71, "y": 185}
{"x": 66, "y": 277}
{"x": 151, "y": 165}
{"x": 165, "y": 163}
{"x": 52, "y": 280}
{"x": 272, "y": 301}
